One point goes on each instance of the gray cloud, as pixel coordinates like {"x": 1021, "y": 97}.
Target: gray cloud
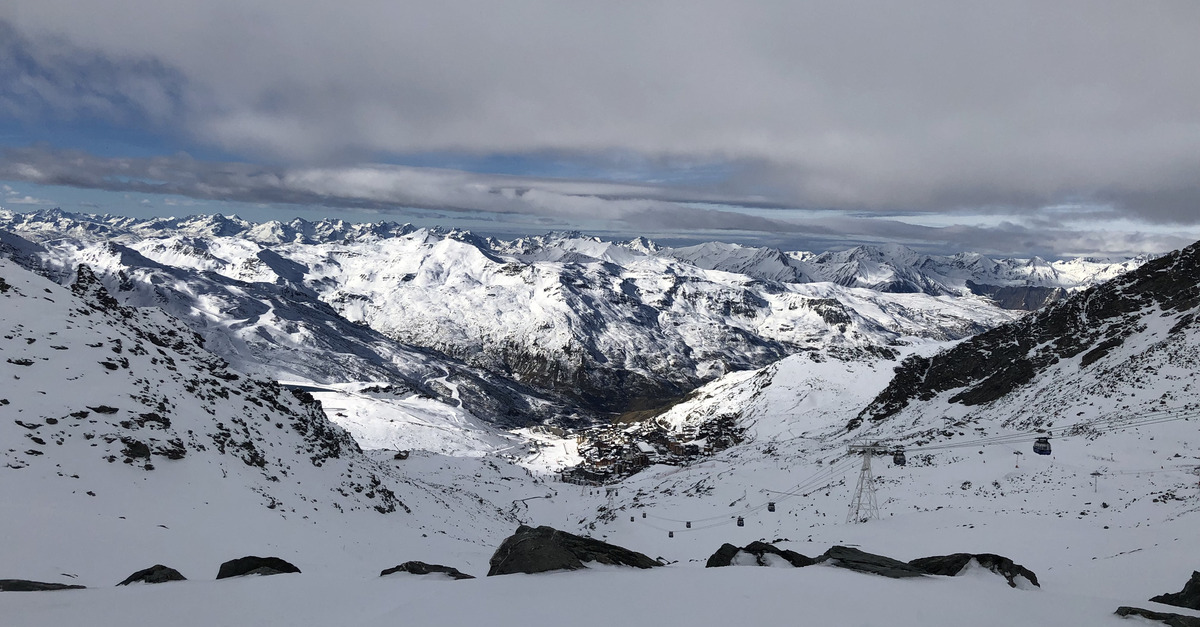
{"x": 50, "y": 78}
{"x": 511, "y": 205}
{"x": 930, "y": 105}
{"x": 370, "y": 187}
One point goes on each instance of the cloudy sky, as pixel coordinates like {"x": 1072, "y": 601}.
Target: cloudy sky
{"x": 1052, "y": 128}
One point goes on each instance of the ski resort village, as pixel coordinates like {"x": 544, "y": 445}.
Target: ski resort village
{"x": 524, "y": 313}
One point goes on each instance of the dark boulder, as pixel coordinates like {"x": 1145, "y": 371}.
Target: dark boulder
{"x": 254, "y": 565}
{"x": 951, "y": 565}
{"x": 421, "y": 568}
{"x": 854, "y": 559}
{"x": 23, "y": 585}
{"x": 723, "y": 557}
{"x": 1173, "y": 620}
{"x": 155, "y": 574}
{"x": 760, "y": 550}
{"x": 1189, "y": 597}
{"x": 531, "y": 550}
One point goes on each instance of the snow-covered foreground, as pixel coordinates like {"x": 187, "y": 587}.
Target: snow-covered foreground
{"x": 1085, "y": 576}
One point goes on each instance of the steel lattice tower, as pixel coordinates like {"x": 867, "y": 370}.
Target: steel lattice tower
{"x": 863, "y": 506}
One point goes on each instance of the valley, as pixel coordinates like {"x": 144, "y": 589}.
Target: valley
{"x": 351, "y": 397}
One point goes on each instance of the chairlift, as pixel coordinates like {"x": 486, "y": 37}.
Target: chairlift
{"x": 898, "y": 457}
{"x": 1041, "y": 446}
{"x": 771, "y": 506}
{"x": 741, "y": 521}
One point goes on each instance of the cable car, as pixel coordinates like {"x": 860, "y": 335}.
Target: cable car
{"x": 771, "y": 506}
{"x": 741, "y": 521}
{"x": 1041, "y": 446}
{"x": 689, "y": 524}
{"x": 898, "y": 457}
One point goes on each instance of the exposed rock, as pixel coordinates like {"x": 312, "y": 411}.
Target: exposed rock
{"x": 862, "y": 561}
{"x": 728, "y": 555}
{"x": 24, "y": 585}
{"x": 134, "y": 448}
{"x": 723, "y": 557}
{"x": 155, "y": 574}
{"x": 254, "y": 565}
{"x": 1087, "y": 325}
{"x": 1023, "y": 297}
{"x": 531, "y": 550}
{"x": 951, "y": 565}
{"x": 1173, "y": 620}
{"x": 1189, "y": 597}
{"x": 421, "y": 568}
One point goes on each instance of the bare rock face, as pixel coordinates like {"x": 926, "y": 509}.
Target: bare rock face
{"x": 24, "y": 585}
{"x": 254, "y": 565}
{"x": 728, "y": 554}
{"x": 854, "y": 559}
{"x": 421, "y": 568}
{"x": 155, "y": 574}
{"x": 542, "y": 549}
{"x": 951, "y": 565}
{"x": 1088, "y": 324}
{"x": 1189, "y": 597}
{"x": 1172, "y": 620}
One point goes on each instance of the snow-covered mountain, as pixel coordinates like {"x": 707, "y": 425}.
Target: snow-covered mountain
{"x": 1127, "y": 348}
{"x": 575, "y": 325}
{"x": 125, "y": 437}
{"x": 1115, "y": 497}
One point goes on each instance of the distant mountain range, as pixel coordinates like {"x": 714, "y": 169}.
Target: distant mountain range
{"x": 562, "y": 326}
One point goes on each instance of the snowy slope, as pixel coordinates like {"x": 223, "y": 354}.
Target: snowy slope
{"x": 269, "y": 324}
{"x": 127, "y": 443}
{"x": 578, "y": 327}
{"x": 1095, "y": 542}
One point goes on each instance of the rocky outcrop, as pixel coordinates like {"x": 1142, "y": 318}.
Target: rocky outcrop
{"x": 1086, "y": 326}
{"x": 542, "y": 549}
{"x": 24, "y": 585}
{"x": 854, "y": 559}
{"x": 1022, "y": 297}
{"x": 729, "y": 555}
{"x": 951, "y": 565}
{"x": 254, "y": 565}
{"x": 421, "y": 568}
{"x": 155, "y": 574}
{"x": 1173, "y": 620}
{"x": 1189, "y": 597}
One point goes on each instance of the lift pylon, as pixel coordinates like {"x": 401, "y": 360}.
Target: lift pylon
{"x": 863, "y": 506}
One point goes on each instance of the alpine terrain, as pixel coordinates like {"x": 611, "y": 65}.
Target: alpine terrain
{"x": 371, "y": 424}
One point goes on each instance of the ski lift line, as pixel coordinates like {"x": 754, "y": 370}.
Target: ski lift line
{"x": 800, "y": 490}
{"x": 804, "y": 485}
{"x": 732, "y": 520}
{"x": 1030, "y": 436}
{"x": 1189, "y": 469}
{"x": 1103, "y": 424}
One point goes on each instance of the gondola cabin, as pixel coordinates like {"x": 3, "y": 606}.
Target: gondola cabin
{"x": 689, "y": 524}
{"x": 771, "y": 506}
{"x": 898, "y": 458}
{"x": 1041, "y": 446}
{"x": 741, "y": 521}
